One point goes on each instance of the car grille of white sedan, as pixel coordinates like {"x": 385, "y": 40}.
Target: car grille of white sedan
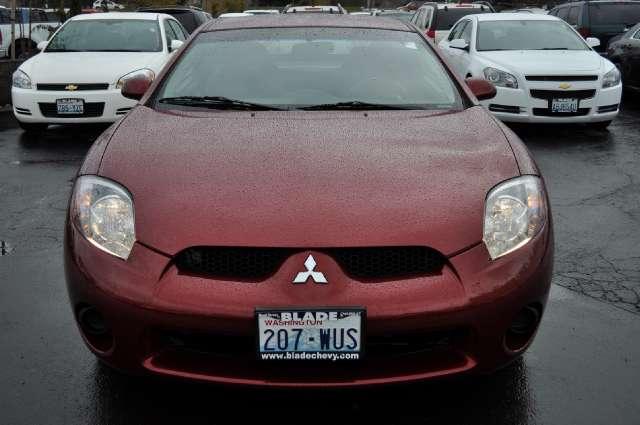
{"x": 72, "y": 87}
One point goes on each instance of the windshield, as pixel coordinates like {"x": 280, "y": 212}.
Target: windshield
{"x": 301, "y": 67}
{"x": 401, "y": 16}
{"x": 445, "y": 18}
{"x": 614, "y": 13}
{"x": 107, "y": 35}
{"x": 528, "y": 35}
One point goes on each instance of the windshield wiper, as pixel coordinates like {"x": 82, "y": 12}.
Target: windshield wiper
{"x": 63, "y": 50}
{"x": 354, "y": 105}
{"x": 217, "y": 102}
{"x": 553, "y": 48}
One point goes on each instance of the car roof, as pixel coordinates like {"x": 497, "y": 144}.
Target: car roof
{"x": 597, "y": 2}
{"x": 514, "y": 17}
{"x": 119, "y": 15}
{"x": 307, "y": 20}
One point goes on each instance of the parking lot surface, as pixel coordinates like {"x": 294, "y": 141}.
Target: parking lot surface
{"x": 583, "y": 368}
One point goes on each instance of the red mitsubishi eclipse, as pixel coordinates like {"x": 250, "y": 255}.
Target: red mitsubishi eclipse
{"x": 308, "y": 201}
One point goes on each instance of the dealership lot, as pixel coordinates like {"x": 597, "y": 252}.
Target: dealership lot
{"x": 582, "y": 368}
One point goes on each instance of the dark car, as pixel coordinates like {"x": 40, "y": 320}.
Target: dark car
{"x": 308, "y": 200}
{"x": 190, "y": 17}
{"x": 624, "y": 52}
{"x": 600, "y": 19}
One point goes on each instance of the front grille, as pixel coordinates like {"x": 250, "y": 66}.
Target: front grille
{"x": 563, "y": 94}
{"x": 78, "y": 87}
{"x": 50, "y": 110}
{"x": 607, "y": 108}
{"x": 122, "y": 111}
{"x": 504, "y": 108}
{"x": 561, "y": 77}
{"x": 545, "y": 112}
{"x": 256, "y": 264}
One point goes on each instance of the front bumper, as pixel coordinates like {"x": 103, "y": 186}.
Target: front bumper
{"x": 155, "y": 315}
{"x": 518, "y": 105}
{"x": 101, "y": 106}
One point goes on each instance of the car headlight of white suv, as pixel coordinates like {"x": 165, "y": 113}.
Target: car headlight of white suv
{"x": 102, "y": 211}
{"x": 611, "y": 78}
{"x": 515, "y": 211}
{"x": 21, "y": 80}
{"x": 500, "y": 78}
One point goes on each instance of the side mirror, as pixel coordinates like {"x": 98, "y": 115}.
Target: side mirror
{"x": 175, "y": 45}
{"x": 136, "y": 86}
{"x": 459, "y": 43}
{"x": 42, "y": 45}
{"x": 592, "y": 42}
{"x": 481, "y": 88}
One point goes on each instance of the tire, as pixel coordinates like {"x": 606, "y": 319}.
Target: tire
{"x": 602, "y": 125}
{"x": 32, "y": 128}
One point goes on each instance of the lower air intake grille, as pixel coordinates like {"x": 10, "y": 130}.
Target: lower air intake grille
{"x": 256, "y": 264}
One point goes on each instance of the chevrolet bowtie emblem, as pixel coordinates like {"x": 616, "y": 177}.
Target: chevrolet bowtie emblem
{"x": 71, "y": 87}
{"x": 565, "y": 86}
{"x": 310, "y": 264}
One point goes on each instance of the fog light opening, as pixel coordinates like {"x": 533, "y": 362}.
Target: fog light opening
{"x": 95, "y": 328}
{"x": 522, "y": 328}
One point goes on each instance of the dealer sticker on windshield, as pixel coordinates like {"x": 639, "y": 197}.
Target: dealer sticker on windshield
{"x": 331, "y": 334}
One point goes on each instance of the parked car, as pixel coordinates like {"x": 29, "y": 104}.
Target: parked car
{"x": 78, "y": 75}
{"x": 436, "y": 19}
{"x": 26, "y": 38}
{"x": 624, "y": 52}
{"x": 100, "y": 4}
{"x": 190, "y": 17}
{"x": 310, "y": 201}
{"x": 396, "y": 14}
{"x": 600, "y": 19}
{"x": 338, "y": 9}
{"x": 263, "y": 11}
{"x": 543, "y": 69}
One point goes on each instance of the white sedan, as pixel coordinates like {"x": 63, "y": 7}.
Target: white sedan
{"x": 77, "y": 76}
{"x": 543, "y": 69}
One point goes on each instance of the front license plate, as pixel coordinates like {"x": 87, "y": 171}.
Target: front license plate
{"x": 70, "y": 106}
{"x": 313, "y": 334}
{"x": 564, "y": 105}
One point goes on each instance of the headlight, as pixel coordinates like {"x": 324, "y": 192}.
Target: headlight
{"x": 611, "y": 78}
{"x": 500, "y": 78}
{"x": 21, "y": 80}
{"x": 147, "y": 73}
{"x": 514, "y": 213}
{"x": 103, "y": 212}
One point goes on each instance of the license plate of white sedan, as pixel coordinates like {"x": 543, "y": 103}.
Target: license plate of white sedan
{"x": 313, "y": 334}
{"x": 564, "y": 105}
{"x": 70, "y": 106}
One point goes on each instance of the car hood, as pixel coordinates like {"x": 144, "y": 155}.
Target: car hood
{"x": 309, "y": 179}
{"x": 545, "y": 62}
{"x": 71, "y": 67}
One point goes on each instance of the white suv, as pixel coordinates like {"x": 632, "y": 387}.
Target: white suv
{"x": 543, "y": 69}
{"x": 436, "y": 19}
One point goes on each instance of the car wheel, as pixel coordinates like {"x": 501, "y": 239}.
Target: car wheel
{"x": 602, "y": 125}
{"x": 33, "y": 128}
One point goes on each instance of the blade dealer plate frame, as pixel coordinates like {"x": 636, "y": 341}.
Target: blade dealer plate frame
{"x": 363, "y": 321}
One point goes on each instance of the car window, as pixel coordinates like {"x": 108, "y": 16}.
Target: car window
{"x": 614, "y": 13}
{"x": 572, "y": 19}
{"x": 107, "y": 35}
{"x": 456, "y": 30}
{"x": 419, "y": 19}
{"x": 169, "y": 33}
{"x": 466, "y": 32}
{"x": 563, "y": 13}
{"x": 445, "y": 18}
{"x": 637, "y": 35}
{"x": 177, "y": 30}
{"x": 5, "y": 18}
{"x": 527, "y": 35}
{"x": 296, "y": 67}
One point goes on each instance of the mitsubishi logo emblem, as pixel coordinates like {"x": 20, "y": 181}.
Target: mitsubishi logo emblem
{"x": 310, "y": 264}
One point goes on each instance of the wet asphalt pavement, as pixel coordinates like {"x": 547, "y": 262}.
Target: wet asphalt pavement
{"x": 583, "y": 368}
